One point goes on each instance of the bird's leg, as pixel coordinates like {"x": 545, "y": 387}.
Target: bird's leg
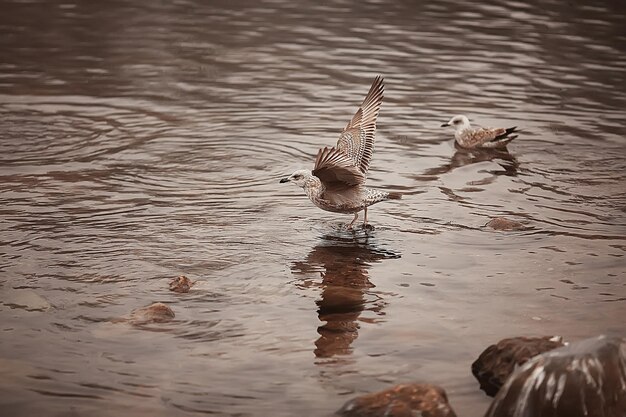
{"x": 365, "y": 217}
{"x": 356, "y": 216}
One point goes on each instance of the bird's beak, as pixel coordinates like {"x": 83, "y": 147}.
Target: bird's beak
{"x": 445, "y": 124}
{"x": 286, "y": 179}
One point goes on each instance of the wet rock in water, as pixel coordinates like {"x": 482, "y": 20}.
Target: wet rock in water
{"x": 497, "y": 362}
{"x": 154, "y": 313}
{"x": 25, "y": 299}
{"x": 500, "y": 223}
{"x": 181, "y": 284}
{"x": 586, "y": 378}
{"x": 404, "y": 400}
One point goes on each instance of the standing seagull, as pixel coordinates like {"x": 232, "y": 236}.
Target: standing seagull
{"x": 479, "y": 137}
{"x": 337, "y": 182}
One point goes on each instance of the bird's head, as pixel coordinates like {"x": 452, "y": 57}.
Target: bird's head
{"x": 458, "y": 122}
{"x": 299, "y": 177}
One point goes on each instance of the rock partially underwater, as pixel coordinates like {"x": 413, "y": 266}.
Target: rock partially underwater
{"x": 584, "y": 379}
{"x": 25, "y": 299}
{"x": 497, "y": 362}
{"x": 181, "y": 284}
{"x": 154, "y": 313}
{"x": 501, "y": 223}
{"x": 404, "y": 400}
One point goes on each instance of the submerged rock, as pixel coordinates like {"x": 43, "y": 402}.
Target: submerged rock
{"x": 154, "y": 313}
{"x": 501, "y": 223}
{"x": 497, "y": 362}
{"x": 181, "y": 284}
{"x": 584, "y": 379}
{"x": 25, "y": 299}
{"x": 404, "y": 400}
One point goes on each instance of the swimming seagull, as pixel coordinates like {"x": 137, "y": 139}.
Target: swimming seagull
{"x": 337, "y": 182}
{"x": 479, "y": 137}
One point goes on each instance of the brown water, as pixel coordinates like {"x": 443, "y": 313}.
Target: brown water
{"x": 145, "y": 140}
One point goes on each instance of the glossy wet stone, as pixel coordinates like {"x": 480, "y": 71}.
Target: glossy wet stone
{"x": 585, "y": 379}
{"x": 404, "y": 400}
{"x": 496, "y": 363}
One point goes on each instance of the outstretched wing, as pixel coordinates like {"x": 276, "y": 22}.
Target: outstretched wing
{"x": 336, "y": 169}
{"x": 357, "y": 138}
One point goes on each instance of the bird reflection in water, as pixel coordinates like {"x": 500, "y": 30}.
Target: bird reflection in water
{"x": 463, "y": 157}
{"x": 343, "y": 262}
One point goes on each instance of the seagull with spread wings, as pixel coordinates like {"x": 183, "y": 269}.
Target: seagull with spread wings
{"x": 337, "y": 182}
{"x": 479, "y": 137}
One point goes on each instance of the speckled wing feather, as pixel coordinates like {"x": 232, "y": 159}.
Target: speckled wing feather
{"x": 483, "y": 135}
{"x": 357, "y": 139}
{"x": 333, "y": 166}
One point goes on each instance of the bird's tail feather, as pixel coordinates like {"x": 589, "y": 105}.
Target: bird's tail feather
{"x": 505, "y": 138}
{"x": 394, "y": 196}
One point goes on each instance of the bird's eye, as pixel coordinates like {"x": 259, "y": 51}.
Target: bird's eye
{"x": 297, "y": 177}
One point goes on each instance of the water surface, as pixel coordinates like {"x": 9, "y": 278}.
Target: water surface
{"x": 144, "y": 140}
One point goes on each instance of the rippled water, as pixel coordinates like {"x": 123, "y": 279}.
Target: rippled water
{"x": 144, "y": 140}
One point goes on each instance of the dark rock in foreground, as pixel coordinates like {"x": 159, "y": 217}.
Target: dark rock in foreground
{"x": 584, "y": 379}
{"x": 404, "y": 400}
{"x": 181, "y": 284}
{"x": 497, "y": 362}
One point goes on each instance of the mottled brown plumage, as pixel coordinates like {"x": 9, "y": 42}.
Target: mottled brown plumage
{"x": 337, "y": 181}
{"x": 334, "y": 166}
{"x": 357, "y": 138}
{"x": 469, "y": 137}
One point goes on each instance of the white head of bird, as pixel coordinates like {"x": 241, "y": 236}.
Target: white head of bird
{"x": 459, "y": 122}
{"x": 300, "y": 177}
